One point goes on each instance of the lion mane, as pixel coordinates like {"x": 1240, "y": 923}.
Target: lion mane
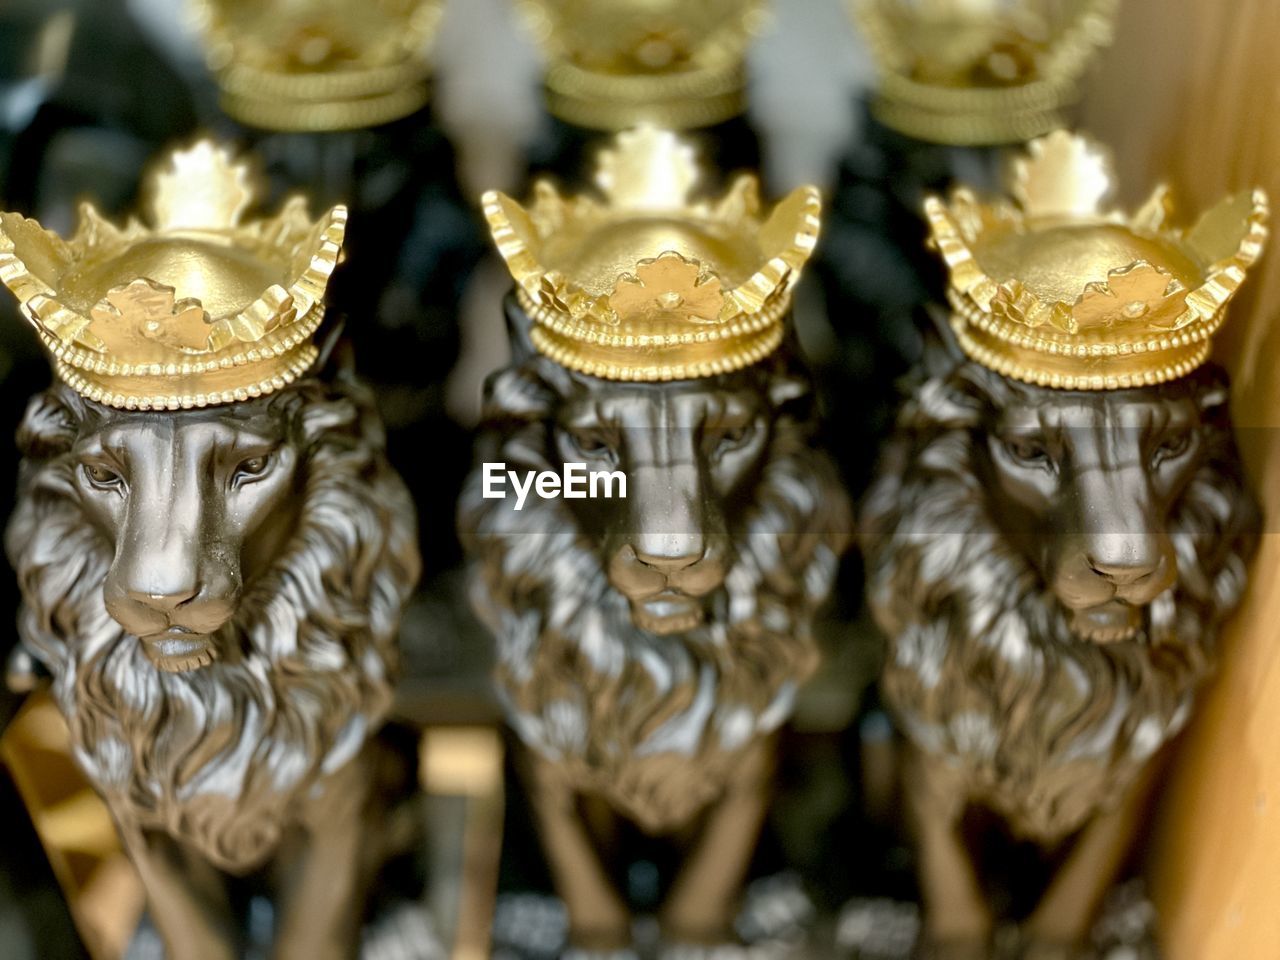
{"x": 652, "y": 723}
{"x": 218, "y": 756}
{"x": 982, "y": 666}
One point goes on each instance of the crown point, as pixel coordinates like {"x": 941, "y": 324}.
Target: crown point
{"x": 201, "y": 186}
{"x": 1233, "y": 231}
{"x": 648, "y": 168}
{"x": 1063, "y": 175}
{"x": 1154, "y": 215}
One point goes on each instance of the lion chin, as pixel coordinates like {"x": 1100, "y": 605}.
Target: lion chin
{"x": 668, "y": 613}
{"x": 180, "y": 653}
{"x": 1111, "y": 622}
{"x": 216, "y": 739}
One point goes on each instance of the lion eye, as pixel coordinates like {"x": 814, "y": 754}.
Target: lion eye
{"x": 591, "y": 445}
{"x": 1171, "y": 448}
{"x": 251, "y": 468}
{"x": 735, "y": 437}
{"x": 1027, "y": 451}
{"x": 102, "y": 478}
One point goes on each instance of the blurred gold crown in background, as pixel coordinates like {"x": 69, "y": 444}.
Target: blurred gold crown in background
{"x": 319, "y": 64}
{"x": 1055, "y": 289}
{"x": 620, "y": 63}
{"x": 650, "y": 284}
{"x": 970, "y": 72}
{"x": 190, "y": 308}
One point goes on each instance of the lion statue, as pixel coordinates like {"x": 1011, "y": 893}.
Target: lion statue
{"x": 1051, "y": 568}
{"x": 216, "y": 593}
{"x": 649, "y": 646}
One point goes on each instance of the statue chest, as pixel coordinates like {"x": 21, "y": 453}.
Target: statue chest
{"x": 1045, "y": 755}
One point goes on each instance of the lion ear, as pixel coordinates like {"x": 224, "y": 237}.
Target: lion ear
{"x": 1214, "y": 393}
{"x": 49, "y": 425}
{"x": 335, "y": 359}
{"x": 942, "y": 353}
{"x": 517, "y": 392}
{"x": 786, "y": 386}
{"x": 519, "y": 325}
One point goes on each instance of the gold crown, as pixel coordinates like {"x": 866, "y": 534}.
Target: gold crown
{"x": 972, "y": 72}
{"x": 621, "y": 63}
{"x": 320, "y": 64}
{"x": 192, "y": 308}
{"x": 649, "y": 285}
{"x": 1057, "y": 290}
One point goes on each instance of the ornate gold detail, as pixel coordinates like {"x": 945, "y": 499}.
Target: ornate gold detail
{"x": 647, "y": 284}
{"x": 1054, "y": 288}
{"x": 620, "y": 63}
{"x": 664, "y": 285}
{"x": 191, "y": 308}
{"x": 320, "y": 64}
{"x": 980, "y": 71}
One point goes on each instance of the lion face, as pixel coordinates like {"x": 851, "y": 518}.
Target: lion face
{"x": 193, "y": 504}
{"x": 1088, "y": 484}
{"x": 212, "y": 591}
{"x": 688, "y": 450}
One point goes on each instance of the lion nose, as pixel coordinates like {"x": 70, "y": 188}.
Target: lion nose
{"x": 167, "y": 601}
{"x": 1119, "y": 573}
{"x": 670, "y": 552}
{"x": 1129, "y": 560}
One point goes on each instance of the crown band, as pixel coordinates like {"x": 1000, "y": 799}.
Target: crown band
{"x": 227, "y": 388}
{"x": 972, "y": 116}
{"x": 688, "y": 355}
{"x": 300, "y": 116}
{"x": 1014, "y": 352}
{"x": 685, "y": 100}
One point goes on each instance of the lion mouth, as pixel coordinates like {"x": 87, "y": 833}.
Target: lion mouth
{"x": 667, "y": 612}
{"x": 1112, "y": 622}
{"x": 178, "y": 650}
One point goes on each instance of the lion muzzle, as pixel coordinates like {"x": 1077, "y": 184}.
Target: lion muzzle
{"x": 672, "y": 553}
{"x": 173, "y": 593}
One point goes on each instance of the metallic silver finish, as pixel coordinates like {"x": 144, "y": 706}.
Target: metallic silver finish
{"x": 216, "y": 594}
{"x": 648, "y": 648}
{"x": 1051, "y": 568}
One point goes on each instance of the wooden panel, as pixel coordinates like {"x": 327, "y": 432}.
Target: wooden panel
{"x": 1191, "y": 93}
